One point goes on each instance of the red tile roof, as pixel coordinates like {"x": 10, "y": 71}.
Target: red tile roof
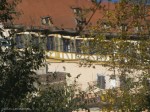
{"x": 59, "y": 10}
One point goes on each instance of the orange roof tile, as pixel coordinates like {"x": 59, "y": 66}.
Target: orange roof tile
{"x": 59, "y": 10}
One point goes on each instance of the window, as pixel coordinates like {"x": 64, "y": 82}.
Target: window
{"x": 46, "y": 21}
{"x": 138, "y": 29}
{"x": 106, "y": 25}
{"x": 101, "y": 82}
{"x": 35, "y": 41}
{"x": 50, "y": 43}
{"x": 123, "y": 27}
{"x": 90, "y": 46}
{"x": 19, "y": 42}
{"x": 72, "y": 45}
{"x": 56, "y": 43}
{"x": 78, "y": 46}
{"x": 66, "y": 45}
{"x": 80, "y": 21}
{"x": 77, "y": 10}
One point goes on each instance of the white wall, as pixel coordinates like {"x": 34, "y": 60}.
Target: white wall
{"x": 88, "y": 74}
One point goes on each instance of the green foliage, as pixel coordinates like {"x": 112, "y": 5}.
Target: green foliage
{"x": 8, "y": 9}
{"x": 17, "y": 73}
{"x": 56, "y": 98}
{"x": 126, "y": 42}
{"x": 131, "y": 97}
{"x": 16, "y": 65}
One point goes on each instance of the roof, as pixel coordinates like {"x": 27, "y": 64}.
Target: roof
{"x": 60, "y": 12}
{"x": 64, "y": 19}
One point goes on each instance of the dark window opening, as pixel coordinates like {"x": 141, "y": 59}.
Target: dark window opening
{"x": 19, "y": 42}
{"x": 101, "y": 82}
{"x": 77, "y": 10}
{"x": 106, "y": 25}
{"x": 91, "y": 46}
{"x": 35, "y": 41}
{"x": 66, "y": 45}
{"x": 72, "y": 46}
{"x": 46, "y": 20}
{"x": 138, "y": 29}
{"x": 50, "y": 43}
{"x": 78, "y": 46}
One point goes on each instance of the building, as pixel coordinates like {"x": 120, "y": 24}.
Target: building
{"x": 57, "y": 24}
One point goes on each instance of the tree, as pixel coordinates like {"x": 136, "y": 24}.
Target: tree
{"x": 56, "y": 98}
{"x": 123, "y": 36}
{"x": 17, "y": 73}
{"x": 19, "y": 59}
{"x": 7, "y": 10}
{"x": 17, "y": 65}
